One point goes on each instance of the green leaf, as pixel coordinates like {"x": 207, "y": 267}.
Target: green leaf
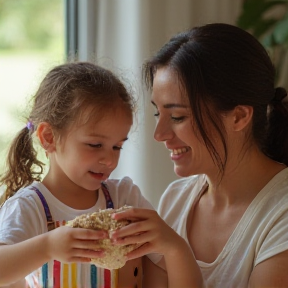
{"x": 262, "y": 26}
{"x": 280, "y": 31}
{"x": 253, "y": 10}
{"x": 269, "y": 41}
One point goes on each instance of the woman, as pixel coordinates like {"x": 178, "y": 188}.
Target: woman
{"x": 226, "y": 126}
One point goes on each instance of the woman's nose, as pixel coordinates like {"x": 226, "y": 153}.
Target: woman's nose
{"x": 162, "y": 131}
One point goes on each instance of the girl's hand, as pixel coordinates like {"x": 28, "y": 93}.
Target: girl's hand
{"x": 68, "y": 244}
{"x": 148, "y": 229}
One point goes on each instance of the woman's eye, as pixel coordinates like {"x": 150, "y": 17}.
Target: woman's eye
{"x": 156, "y": 114}
{"x": 95, "y": 145}
{"x": 178, "y": 119}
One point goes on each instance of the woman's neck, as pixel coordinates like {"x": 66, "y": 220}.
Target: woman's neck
{"x": 243, "y": 180}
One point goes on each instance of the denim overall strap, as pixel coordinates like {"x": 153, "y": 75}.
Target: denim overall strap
{"x": 50, "y": 222}
{"x": 109, "y": 202}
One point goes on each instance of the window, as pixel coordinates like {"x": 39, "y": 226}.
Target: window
{"x": 31, "y": 42}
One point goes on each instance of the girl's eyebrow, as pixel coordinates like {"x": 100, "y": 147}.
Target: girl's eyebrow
{"x": 105, "y": 137}
{"x": 171, "y": 105}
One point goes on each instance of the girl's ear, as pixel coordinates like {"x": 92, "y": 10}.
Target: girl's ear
{"x": 242, "y": 116}
{"x": 46, "y": 136}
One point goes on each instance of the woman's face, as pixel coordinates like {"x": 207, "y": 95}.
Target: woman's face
{"x": 175, "y": 126}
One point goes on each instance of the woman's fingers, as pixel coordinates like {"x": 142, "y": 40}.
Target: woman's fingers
{"x": 139, "y": 252}
{"x": 134, "y": 214}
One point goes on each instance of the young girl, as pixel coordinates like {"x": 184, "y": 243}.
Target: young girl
{"x": 81, "y": 115}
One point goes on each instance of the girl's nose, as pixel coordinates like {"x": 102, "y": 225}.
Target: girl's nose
{"x": 162, "y": 131}
{"x": 110, "y": 160}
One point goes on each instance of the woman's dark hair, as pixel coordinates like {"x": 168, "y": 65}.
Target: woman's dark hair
{"x": 62, "y": 95}
{"x": 221, "y": 66}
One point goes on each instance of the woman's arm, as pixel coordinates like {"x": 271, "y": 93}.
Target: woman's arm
{"x": 271, "y": 272}
{"x": 153, "y": 275}
{"x": 64, "y": 244}
{"x": 157, "y": 237}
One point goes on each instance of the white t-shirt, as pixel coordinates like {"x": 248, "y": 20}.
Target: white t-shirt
{"x": 261, "y": 233}
{"x": 22, "y": 217}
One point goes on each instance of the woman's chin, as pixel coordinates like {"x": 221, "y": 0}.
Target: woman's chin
{"x": 182, "y": 172}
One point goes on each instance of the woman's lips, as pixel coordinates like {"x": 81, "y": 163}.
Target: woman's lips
{"x": 177, "y": 153}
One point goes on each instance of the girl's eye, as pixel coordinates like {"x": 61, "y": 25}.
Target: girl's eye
{"x": 178, "y": 119}
{"x": 95, "y": 145}
{"x": 117, "y": 147}
{"x": 156, "y": 114}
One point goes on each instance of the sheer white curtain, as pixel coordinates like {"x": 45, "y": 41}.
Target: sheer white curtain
{"x": 126, "y": 33}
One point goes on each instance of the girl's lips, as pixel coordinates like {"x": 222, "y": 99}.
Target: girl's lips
{"x": 99, "y": 176}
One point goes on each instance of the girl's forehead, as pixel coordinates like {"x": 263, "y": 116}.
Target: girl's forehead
{"x": 107, "y": 117}
{"x": 97, "y": 114}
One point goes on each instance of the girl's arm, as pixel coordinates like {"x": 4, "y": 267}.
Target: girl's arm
{"x": 157, "y": 237}
{"x": 63, "y": 244}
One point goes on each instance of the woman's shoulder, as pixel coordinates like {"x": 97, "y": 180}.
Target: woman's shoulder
{"x": 179, "y": 193}
{"x": 183, "y": 186}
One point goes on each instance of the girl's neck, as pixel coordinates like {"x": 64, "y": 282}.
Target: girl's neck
{"x": 69, "y": 193}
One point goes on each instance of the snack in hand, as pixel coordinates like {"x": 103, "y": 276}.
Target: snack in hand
{"x": 101, "y": 220}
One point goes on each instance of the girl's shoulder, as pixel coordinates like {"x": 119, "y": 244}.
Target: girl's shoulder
{"x": 124, "y": 191}
{"x": 25, "y": 194}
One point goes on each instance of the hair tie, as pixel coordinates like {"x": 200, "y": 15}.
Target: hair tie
{"x": 30, "y": 126}
{"x": 279, "y": 94}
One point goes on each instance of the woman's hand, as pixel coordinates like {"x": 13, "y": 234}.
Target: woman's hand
{"x": 68, "y": 244}
{"x": 148, "y": 229}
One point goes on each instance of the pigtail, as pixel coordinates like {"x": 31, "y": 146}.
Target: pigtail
{"x": 21, "y": 162}
{"x": 277, "y": 140}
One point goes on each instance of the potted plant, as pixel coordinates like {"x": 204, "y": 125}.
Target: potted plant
{"x": 267, "y": 20}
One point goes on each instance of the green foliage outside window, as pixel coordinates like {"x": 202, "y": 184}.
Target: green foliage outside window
{"x": 31, "y": 41}
{"x": 30, "y": 24}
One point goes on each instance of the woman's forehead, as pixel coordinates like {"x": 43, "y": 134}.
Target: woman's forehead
{"x": 167, "y": 87}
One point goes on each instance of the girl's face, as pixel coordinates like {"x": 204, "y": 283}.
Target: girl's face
{"x": 90, "y": 152}
{"x": 175, "y": 126}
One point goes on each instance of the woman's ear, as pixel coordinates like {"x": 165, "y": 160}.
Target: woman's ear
{"x": 242, "y": 116}
{"x": 46, "y": 136}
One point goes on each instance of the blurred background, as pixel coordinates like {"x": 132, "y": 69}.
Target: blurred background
{"x": 36, "y": 35}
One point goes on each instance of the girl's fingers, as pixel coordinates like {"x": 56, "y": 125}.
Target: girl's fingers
{"x": 80, "y": 259}
{"x": 89, "y": 234}
{"x": 87, "y": 245}
{"x": 84, "y": 253}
